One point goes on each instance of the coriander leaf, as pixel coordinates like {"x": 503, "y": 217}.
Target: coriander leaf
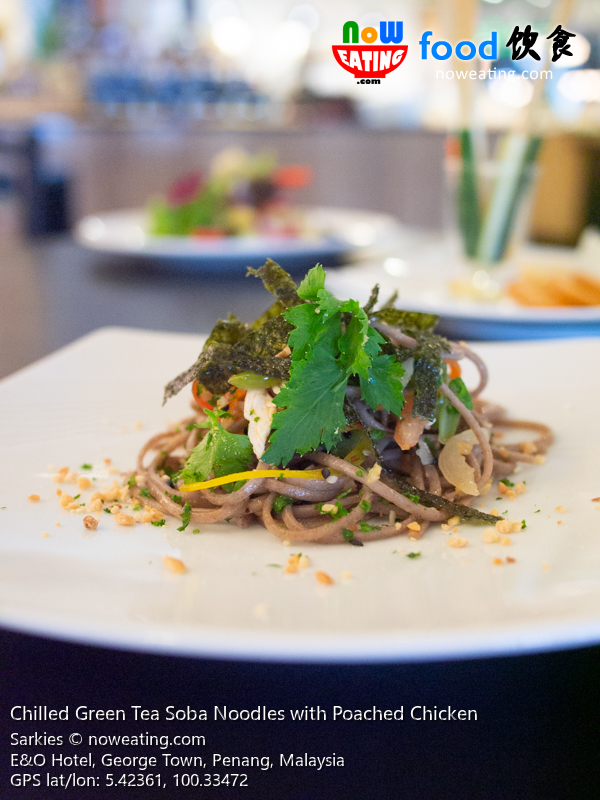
{"x": 355, "y": 357}
{"x": 158, "y": 523}
{"x": 145, "y": 492}
{"x": 219, "y": 451}
{"x": 383, "y": 386}
{"x": 131, "y": 481}
{"x": 347, "y": 534}
{"x": 365, "y": 506}
{"x": 186, "y": 516}
{"x": 506, "y": 482}
{"x": 364, "y": 527}
{"x": 414, "y": 555}
{"x": 313, "y": 408}
{"x": 313, "y": 282}
{"x": 310, "y": 330}
{"x": 280, "y": 502}
{"x": 86, "y": 466}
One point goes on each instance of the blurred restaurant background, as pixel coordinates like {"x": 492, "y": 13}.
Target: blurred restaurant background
{"x": 104, "y": 104}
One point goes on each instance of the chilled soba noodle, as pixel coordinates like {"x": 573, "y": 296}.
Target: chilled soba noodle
{"x": 388, "y": 472}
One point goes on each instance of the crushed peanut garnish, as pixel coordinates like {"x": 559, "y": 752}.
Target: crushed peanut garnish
{"x": 346, "y": 575}
{"x": 539, "y": 459}
{"x": 124, "y": 519}
{"x": 286, "y": 543}
{"x": 510, "y": 560}
{"x": 453, "y": 521}
{"x": 560, "y": 509}
{"x": 61, "y": 475}
{"x": 84, "y": 483}
{"x": 292, "y": 564}
{"x": 529, "y": 448}
{"x": 559, "y": 521}
{"x": 505, "y": 541}
{"x": 457, "y": 541}
{"x": 328, "y": 508}
{"x": 45, "y": 534}
{"x": 520, "y": 488}
{"x": 413, "y": 526}
{"x": 374, "y": 473}
{"x": 445, "y": 527}
{"x": 65, "y": 499}
{"x": 34, "y": 498}
{"x": 57, "y": 524}
{"x": 174, "y": 565}
{"x": 323, "y": 577}
{"x": 89, "y": 522}
{"x": 497, "y": 561}
{"x": 490, "y": 536}
{"x": 508, "y": 526}
{"x": 303, "y": 562}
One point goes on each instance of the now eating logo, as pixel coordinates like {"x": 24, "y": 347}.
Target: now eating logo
{"x": 371, "y": 62}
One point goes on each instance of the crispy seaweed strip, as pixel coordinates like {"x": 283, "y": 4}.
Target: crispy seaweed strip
{"x": 227, "y": 361}
{"x": 278, "y": 282}
{"x": 267, "y": 340}
{"x": 225, "y": 332}
{"x": 407, "y": 320}
{"x": 372, "y": 301}
{"x": 177, "y": 384}
{"x": 465, "y": 513}
{"x": 400, "y": 484}
{"x": 389, "y": 303}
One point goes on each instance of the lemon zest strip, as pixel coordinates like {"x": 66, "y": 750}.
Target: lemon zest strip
{"x": 312, "y": 474}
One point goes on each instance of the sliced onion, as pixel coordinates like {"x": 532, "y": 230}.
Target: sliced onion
{"x": 453, "y": 464}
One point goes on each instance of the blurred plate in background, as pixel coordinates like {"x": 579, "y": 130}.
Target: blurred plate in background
{"x": 423, "y": 278}
{"x": 339, "y": 235}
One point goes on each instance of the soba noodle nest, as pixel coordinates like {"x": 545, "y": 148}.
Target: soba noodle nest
{"x": 367, "y": 498}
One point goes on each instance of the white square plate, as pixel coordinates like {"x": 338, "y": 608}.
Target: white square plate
{"x": 81, "y": 405}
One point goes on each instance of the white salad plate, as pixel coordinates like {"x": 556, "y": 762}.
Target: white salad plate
{"x": 100, "y": 398}
{"x": 422, "y": 277}
{"x": 335, "y": 234}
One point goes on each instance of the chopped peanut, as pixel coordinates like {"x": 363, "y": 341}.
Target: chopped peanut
{"x": 346, "y": 575}
{"x": 61, "y": 475}
{"x": 34, "y": 498}
{"x": 124, "y": 519}
{"x": 539, "y": 459}
{"x": 45, "y": 534}
{"x": 292, "y": 565}
{"x": 456, "y": 541}
{"x": 502, "y": 487}
{"x": 328, "y": 508}
{"x": 91, "y": 523}
{"x": 510, "y": 560}
{"x": 323, "y": 577}
{"x": 96, "y": 505}
{"x": 497, "y": 561}
{"x": 374, "y": 473}
{"x": 303, "y": 562}
{"x": 84, "y": 483}
{"x": 520, "y": 488}
{"x": 445, "y": 527}
{"x": 505, "y": 541}
{"x": 490, "y": 536}
{"x": 529, "y": 448}
{"x": 96, "y": 496}
{"x": 414, "y": 526}
{"x": 174, "y": 565}
{"x": 116, "y": 509}
{"x": 453, "y": 521}
{"x": 65, "y": 499}
{"x": 560, "y": 509}
{"x": 508, "y": 526}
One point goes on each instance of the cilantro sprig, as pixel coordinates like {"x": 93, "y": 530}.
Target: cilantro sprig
{"x": 331, "y": 343}
{"x": 219, "y": 451}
